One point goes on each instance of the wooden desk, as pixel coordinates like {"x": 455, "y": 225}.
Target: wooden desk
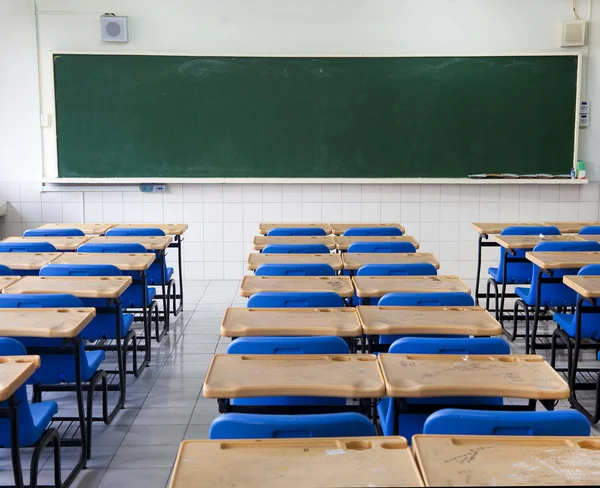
{"x": 87, "y": 228}
{"x": 265, "y": 227}
{"x": 473, "y": 321}
{"x": 296, "y": 463}
{"x": 355, "y": 260}
{"x": 342, "y": 285}
{"x": 571, "y": 227}
{"x": 256, "y": 259}
{"x": 377, "y": 286}
{"x": 343, "y": 242}
{"x": 337, "y": 375}
{"x": 125, "y": 262}
{"x": 14, "y": 371}
{"x": 27, "y": 260}
{"x": 340, "y": 228}
{"x": 490, "y": 228}
{"x": 529, "y": 242}
{"x": 168, "y": 229}
{"x": 7, "y": 281}
{"x": 587, "y": 286}
{"x": 80, "y": 286}
{"x": 252, "y": 322}
{"x": 507, "y": 460}
{"x": 151, "y": 243}
{"x": 589, "y": 237}
{"x": 49, "y": 323}
{"x": 563, "y": 260}
{"x": 261, "y": 241}
{"x": 66, "y": 243}
{"x": 441, "y": 375}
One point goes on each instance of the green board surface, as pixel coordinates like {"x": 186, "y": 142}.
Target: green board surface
{"x": 285, "y": 117}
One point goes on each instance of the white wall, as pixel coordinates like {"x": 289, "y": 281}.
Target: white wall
{"x": 223, "y": 218}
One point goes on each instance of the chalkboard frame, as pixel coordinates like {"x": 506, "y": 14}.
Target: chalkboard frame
{"x": 50, "y": 147}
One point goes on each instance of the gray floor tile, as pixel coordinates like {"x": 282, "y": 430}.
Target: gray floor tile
{"x": 164, "y": 416}
{"x": 151, "y": 435}
{"x": 177, "y": 399}
{"x": 170, "y": 384}
{"x": 204, "y": 415}
{"x": 129, "y": 478}
{"x": 162, "y": 456}
{"x": 197, "y": 431}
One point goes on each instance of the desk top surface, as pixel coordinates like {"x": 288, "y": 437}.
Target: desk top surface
{"x": 377, "y": 286}
{"x": 497, "y": 227}
{"x": 441, "y": 375}
{"x": 571, "y": 227}
{"x": 587, "y": 286}
{"x": 7, "y": 281}
{"x": 27, "y": 260}
{"x": 265, "y": 227}
{"x": 44, "y": 322}
{"x": 355, "y": 260}
{"x": 342, "y": 285}
{"x": 169, "y": 229}
{"x": 529, "y": 242}
{"x": 151, "y": 243}
{"x": 256, "y": 259}
{"x": 475, "y": 321}
{"x": 343, "y": 242}
{"x": 61, "y": 243}
{"x": 87, "y": 228}
{"x": 123, "y": 261}
{"x": 14, "y": 371}
{"x": 336, "y": 375}
{"x": 296, "y": 463}
{"x": 507, "y": 460}
{"x": 563, "y": 260}
{"x": 80, "y": 286}
{"x": 340, "y": 228}
{"x": 247, "y": 322}
{"x": 261, "y": 241}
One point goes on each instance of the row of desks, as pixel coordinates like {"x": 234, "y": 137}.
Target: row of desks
{"x": 341, "y": 243}
{"x": 72, "y": 243}
{"x": 329, "y": 228}
{"x": 99, "y": 229}
{"x": 33, "y": 261}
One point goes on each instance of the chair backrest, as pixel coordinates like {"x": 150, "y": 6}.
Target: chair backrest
{"x": 288, "y": 345}
{"x": 268, "y": 299}
{"x": 266, "y": 426}
{"x": 5, "y": 270}
{"x": 142, "y": 231}
{"x": 296, "y": 249}
{"x": 589, "y": 270}
{"x": 39, "y": 301}
{"x": 295, "y": 270}
{"x": 409, "y": 269}
{"x": 446, "y": 345}
{"x": 292, "y": 231}
{"x": 373, "y": 231}
{"x": 531, "y": 230}
{"x": 590, "y": 229}
{"x": 53, "y": 233}
{"x": 567, "y": 246}
{"x": 112, "y": 248}
{"x": 26, "y": 247}
{"x": 451, "y": 421}
{"x": 433, "y": 299}
{"x": 382, "y": 247}
{"x": 80, "y": 270}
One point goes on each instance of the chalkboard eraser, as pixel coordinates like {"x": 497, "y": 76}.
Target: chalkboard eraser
{"x": 510, "y": 175}
{"x": 479, "y": 176}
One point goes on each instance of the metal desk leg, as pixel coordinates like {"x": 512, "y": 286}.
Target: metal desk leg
{"x": 79, "y": 394}
{"x": 538, "y": 297}
{"x": 165, "y": 299}
{"x": 12, "y": 411}
{"x": 481, "y": 237}
{"x": 120, "y": 358}
{"x": 179, "y": 240}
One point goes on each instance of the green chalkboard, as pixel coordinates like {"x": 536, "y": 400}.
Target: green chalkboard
{"x": 268, "y": 117}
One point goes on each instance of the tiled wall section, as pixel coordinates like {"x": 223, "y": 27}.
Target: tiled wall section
{"x": 223, "y": 218}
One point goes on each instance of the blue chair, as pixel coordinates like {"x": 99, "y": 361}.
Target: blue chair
{"x": 295, "y": 270}
{"x": 382, "y": 247}
{"x": 296, "y": 249}
{"x": 288, "y": 345}
{"x": 412, "y": 423}
{"x": 409, "y": 269}
{"x": 33, "y": 423}
{"x": 26, "y": 247}
{"x": 5, "y": 271}
{"x": 53, "y": 233}
{"x": 255, "y": 426}
{"x": 140, "y": 232}
{"x": 590, "y": 229}
{"x": 452, "y": 421}
{"x": 566, "y": 331}
{"x": 373, "y": 231}
{"x": 60, "y": 368}
{"x": 516, "y": 273}
{"x": 292, "y": 231}
{"x": 553, "y": 295}
{"x": 268, "y": 299}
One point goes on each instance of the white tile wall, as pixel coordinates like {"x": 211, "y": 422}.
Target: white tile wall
{"x": 223, "y": 219}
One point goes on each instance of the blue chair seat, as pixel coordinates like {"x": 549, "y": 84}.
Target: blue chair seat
{"x": 41, "y": 414}
{"x": 103, "y": 327}
{"x": 590, "y": 325}
{"x": 566, "y": 299}
{"x": 59, "y": 368}
{"x": 131, "y": 298}
{"x": 514, "y": 278}
{"x": 154, "y": 275}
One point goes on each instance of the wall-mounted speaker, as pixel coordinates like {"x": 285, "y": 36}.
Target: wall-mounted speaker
{"x": 113, "y": 28}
